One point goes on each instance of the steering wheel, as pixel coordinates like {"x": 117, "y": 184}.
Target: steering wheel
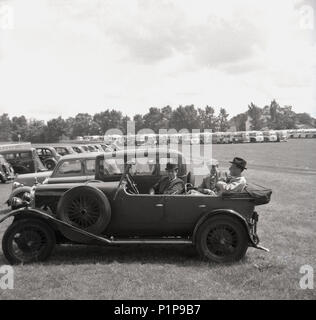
{"x": 131, "y": 185}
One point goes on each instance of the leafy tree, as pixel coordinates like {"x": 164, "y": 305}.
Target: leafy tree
{"x": 110, "y": 119}
{"x": 152, "y": 119}
{"x": 19, "y": 128}
{"x": 5, "y": 127}
{"x": 166, "y": 114}
{"x": 281, "y": 118}
{"x": 82, "y": 124}
{"x": 240, "y": 121}
{"x": 255, "y": 114}
{"x": 207, "y": 118}
{"x": 223, "y": 120}
{"x": 185, "y": 118}
{"x": 94, "y": 129}
{"x": 139, "y": 122}
{"x": 55, "y": 129}
{"x": 69, "y": 125}
{"x": 36, "y": 131}
{"x": 305, "y": 118}
{"x": 124, "y": 124}
{"x": 288, "y": 118}
{"x": 103, "y": 120}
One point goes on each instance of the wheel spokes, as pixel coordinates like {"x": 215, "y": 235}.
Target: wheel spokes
{"x": 222, "y": 240}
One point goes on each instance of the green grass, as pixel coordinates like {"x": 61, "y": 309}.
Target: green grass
{"x": 287, "y": 227}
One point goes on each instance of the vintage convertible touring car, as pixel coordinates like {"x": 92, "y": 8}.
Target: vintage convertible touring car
{"x": 110, "y": 212}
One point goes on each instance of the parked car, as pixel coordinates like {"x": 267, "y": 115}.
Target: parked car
{"x": 6, "y": 171}
{"x": 118, "y": 212}
{"x": 78, "y": 168}
{"x": 282, "y": 135}
{"x": 84, "y": 148}
{"x": 107, "y": 148}
{"x": 81, "y": 168}
{"x": 79, "y": 148}
{"x": 256, "y": 136}
{"x": 75, "y": 168}
{"x": 23, "y": 160}
{"x": 48, "y": 155}
{"x": 270, "y": 136}
{"x": 63, "y": 150}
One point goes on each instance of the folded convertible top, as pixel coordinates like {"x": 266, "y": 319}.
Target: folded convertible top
{"x": 255, "y": 193}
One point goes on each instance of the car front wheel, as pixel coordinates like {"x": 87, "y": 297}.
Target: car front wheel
{"x": 222, "y": 239}
{"x": 27, "y": 241}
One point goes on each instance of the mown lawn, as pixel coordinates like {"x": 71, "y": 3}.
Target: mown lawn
{"x": 287, "y": 227}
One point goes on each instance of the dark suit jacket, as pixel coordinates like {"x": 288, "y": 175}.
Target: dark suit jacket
{"x": 165, "y": 186}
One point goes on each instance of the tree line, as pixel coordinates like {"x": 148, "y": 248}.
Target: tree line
{"x": 272, "y": 117}
{"x": 183, "y": 117}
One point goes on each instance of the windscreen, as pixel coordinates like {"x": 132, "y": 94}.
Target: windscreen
{"x": 113, "y": 166}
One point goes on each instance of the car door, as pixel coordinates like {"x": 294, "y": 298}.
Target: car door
{"x": 26, "y": 160}
{"x": 140, "y": 214}
{"x": 185, "y": 209}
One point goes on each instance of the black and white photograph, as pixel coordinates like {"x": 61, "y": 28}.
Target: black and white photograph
{"x": 157, "y": 151}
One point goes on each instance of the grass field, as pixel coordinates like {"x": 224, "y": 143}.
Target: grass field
{"x": 287, "y": 226}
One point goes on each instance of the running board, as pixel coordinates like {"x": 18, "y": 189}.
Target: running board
{"x": 100, "y": 238}
{"x": 150, "y": 241}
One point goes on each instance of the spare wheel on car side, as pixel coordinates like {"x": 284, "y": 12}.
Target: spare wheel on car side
{"x": 84, "y": 207}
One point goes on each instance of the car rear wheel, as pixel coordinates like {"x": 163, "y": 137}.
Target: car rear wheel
{"x": 84, "y": 207}
{"x": 27, "y": 241}
{"x": 50, "y": 164}
{"x": 222, "y": 239}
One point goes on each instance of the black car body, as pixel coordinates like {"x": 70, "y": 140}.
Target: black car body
{"x": 48, "y": 155}
{"x": 23, "y": 160}
{"x": 6, "y": 171}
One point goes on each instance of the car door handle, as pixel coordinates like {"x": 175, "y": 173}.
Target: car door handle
{"x": 159, "y": 205}
{"x": 202, "y": 206}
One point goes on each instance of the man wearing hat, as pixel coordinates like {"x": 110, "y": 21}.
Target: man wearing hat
{"x": 208, "y": 185}
{"x": 235, "y": 182}
{"x": 169, "y": 184}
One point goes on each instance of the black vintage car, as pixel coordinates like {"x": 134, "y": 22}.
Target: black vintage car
{"x": 48, "y": 156}
{"x": 23, "y": 160}
{"x": 107, "y": 211}
{"x": 6, "y": 170}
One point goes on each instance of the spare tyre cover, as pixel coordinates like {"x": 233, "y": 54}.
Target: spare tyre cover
{"x": 84, "y": 207}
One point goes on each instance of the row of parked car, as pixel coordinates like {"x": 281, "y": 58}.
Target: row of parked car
{"x": 192, "y": 138}
{"x": 26, "y": 158}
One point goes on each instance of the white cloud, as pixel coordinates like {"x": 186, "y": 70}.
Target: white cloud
{"x": 67, "y": 56}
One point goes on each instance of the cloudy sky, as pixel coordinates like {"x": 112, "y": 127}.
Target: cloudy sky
{"x": 61, "y": 57}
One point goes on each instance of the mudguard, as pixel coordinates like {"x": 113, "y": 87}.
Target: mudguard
{"x": 52, "y": 221}
{"x": 232, "y": 213}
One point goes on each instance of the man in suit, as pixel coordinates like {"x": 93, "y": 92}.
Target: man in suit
{"x": 208, "y": 185}
{"x": 235, "y": 182}
{"x": 169, "y": 184}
